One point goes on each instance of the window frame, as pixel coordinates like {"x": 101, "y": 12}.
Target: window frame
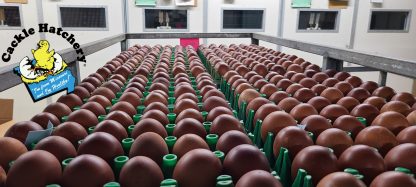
{"x": 166, "y": 30}
{"x": 263, "y": 24}
{"x": 106, "y": 28}
{"x": 19, "y": 6}
{"x": 337, "y": 20}
{"x": 408, "y": 21}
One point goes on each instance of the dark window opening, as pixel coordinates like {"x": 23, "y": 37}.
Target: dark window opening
{"x": 10, "y": 16}
{"x": 83, "y": 17}
{"x": 242, "y": 19}
{"x": 317, "y": 20}
{"x": 166, "y": 19}
{"x": 387, "y": 20}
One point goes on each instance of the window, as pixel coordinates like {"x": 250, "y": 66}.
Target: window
{"x": 10, "y": 16}
{"x": 83, "y": 17}
{"x": 389, "y": 20}
{"x": 243, "y": 20}
{"x": 165, "y": 19}
{"x": 326, "y": 20}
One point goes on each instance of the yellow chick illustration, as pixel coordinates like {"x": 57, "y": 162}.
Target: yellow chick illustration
{"x": 44, "y": 58}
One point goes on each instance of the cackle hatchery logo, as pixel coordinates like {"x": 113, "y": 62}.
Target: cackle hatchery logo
{"x": 46, "y": 73}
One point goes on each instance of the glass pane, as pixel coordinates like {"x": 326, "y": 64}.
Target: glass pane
{"x": 383, "y": 20}
{"x": 243, "y": 19}
{"x": 83, "y": 17}
{"x": 166, "y": 19}
{"x": 10, "y": 16}
{"x": 317, "y": 20}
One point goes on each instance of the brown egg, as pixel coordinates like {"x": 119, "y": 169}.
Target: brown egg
{"x": 101, "y": 144}
{"x": 304, "y": 95}
{"x": 320, "y": 77}
{"x": 189, "y": 126}
{"x": 349, "y": 124}
{"x": 21, "y": 129}
{"x": 140, "y": 170}
{"x": 112, "y": 127}
{"x": 131, "y": 98}
{"x": 336, "y": 139}
{"x": 155, "y": 97}
{"x": 318, "y": 89}
{"x": 298, "y": 77}
{"x": 396, "y": 106}
{"x": 342, "y": 75}
{"x": 360, "y": 94}
{"x": 258, "y": 178}
{"x": 393, "y": 121}
{"x": 340, "y": 179}
{"x": 134, "y": 90}
{"x": 378, "y": 102}
{"x": 247, "y": 96}
{"x": 213, "y": 92}
{"x": 34, "y": 168}
{"x": 188, "y": 142}
{"x": 333, "y": 111}
{"x": 330, "y": 82}
{"x": 43, "y": 119}
{"x": 378, "y": 137}
{"x": 149, "y": 125}
{"x": 157, "y": 115}
{"x": 184, "y": 104}
{"x": 244, "y": 158}
{"x": 58, "y": 109}
{"x": 348, "y": 102}
{"x": 392, "y": 179}
{"x": 367, "y": 111}
{"x": 183, "y": 89}
{"x": 288, "y": 104}
{"x": 268, "y": 90}
{"x": 71, "y": 131}
{"x": 405, "y": 97}
{"x": 231, "y": 139}
{"x": 84, "y": 117}
{"x": 363, "y": 158}
{"x": 344, "y": 87}
{"x": 384, "y": 92}
{"x": 106, "y": 92}
{"x": 157, "y": 106}
{"x": 275, "y": 79}
{"x": 370, "y": 86}
{"x": 103, "y": 101}
{"x": 214, "y": 102}
{"x": 411, "y": 118}
{"x": 94, "y": 81}
{"x": 270, "y": 125}
{"x": 316, "y": 124}
{"x": 332, "y": 94}
{"x": 2, "y": 177}
{"x": 87, "y": 170}
{"x": 407, "y": 135}
{"x": 87, "y": 86}
{"x": 242, "y": 87}
{"x": 11, "y": 149}
{"x": 151, "y": 145}
{"x": 293, "y": 88}
{"x": 278, "y": 96}
{"x": 188, "y": 96}
{"x": 319, "y": 102}
{"x": 94, "y": 107}
{"x": 316, "y": 160}
{"x": 263, "y": 111}
{"x": 70, "y": 100}
{"x": 401, "y": 156}
{"x": 112, "y": 86}
{"x": 218, "y": 111}
{"x": 308, "y": 82}
{"x": 354, "y": 81}
{"x": 303, "y": 110}
{"x": 292, "y": 138}
{"x": 256, "y": 103}
{"x": 190, "y": 113}
{"x": 60, "y": 147}
{"x": 188, "y": 171}
{"x": 121, "y": 117}
{"x": 224, "y": 123}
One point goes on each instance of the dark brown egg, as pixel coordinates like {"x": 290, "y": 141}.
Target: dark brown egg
{"x": 340, "y": 179}
{"x": 101, "y": 144}
{"x": 393, "y": 121}
{"x": 188, "y": 142}
{"x": 319, "y": 102}
{"x": 140, "y": 170}
{"x": 308, "y": 82}
{"x": 318, "y": 89}
{"x": 188, "y": 171}
{"x": 298, "y": 77}
{"x": 90, "y": 87}
{"x": 149, "y": 125}
{"x": 87, "y": 170}
{"x": 21, "y": 129}
{"x": 94, "y": 107}
{"x": 392, "y": 179}
{"x": 106, "y": 92}
{"x": 278, "y": 96}
{"x": 151, "y": 145}
{"x": 232, "y": 139}
{"x": 242, "y": 87}
{"x": 10, "y": 149}
{"x": 244, "y": 158}
{"x": 256, "y": 103}
{"x": 349, "y": 124}
{"x": 189, "y": 126}
{"x": 407, "y": 135}
{"x": 214, "y": 102}
{"x": 401, "y": 156}
{"x": 265, "y": 110}
{"x": 333, "y": 111}
{"x": 304, "y": 95}
{"x": 384, "y": 92}
{"x": 292, "y": 138}
{"x": 190, "y": 96}
{"x": 190, "y": 113}
{"x": 354, "y": 81}
{"x": 157, "y": 106}
{"x": 100, "y": 99}
{"x": 131, "y": 98}
{"x": 71, "y": 131}
{"x": 378, "y": 102}
{"x": 247, "y": 96}
{"x": 288, "y": 104}
{"x": 405, "y": 97}
{"x": 342, "y": 75}
{"x": 94, "y": 81}
{"x": 367, "y": 111}
{"x": 320, "y": 77}
{"x": 2, "y": 177}
{"x": 293, "y": 88}
{"x": 84, "y": 117}
{"x": 332, "y": 94}
{"x": 348, "y": 102}
{"x": 183, "y": 89}
{"x": 360, "y": 94}
{"x": 316, "y": 160}
{"x": 218, "y": 111}
{"x": 303, "y": 110}
{"x": 316, "y": 124}
{"x": 213, "y": 92}
{"x": 378, "y": 137}
{"x": 70, "y": 100}
{"x": 112, "y": 86}
{"x": 258, "y": 178}
{"x": 34, "y": 168}
{"x": 344, "y": 87}
{"x": 134, "y": 90}
{"x": 43, "y": 119}
{"x": 224, "y": 123}
{"x": 184, "y": 104}
{"x": 275, "y": 79}
{"x": 396, "y": 106}
{"x": 330, "y": 82}
{"x": 121, "y": 117}
{"x": 411, "y": 118}
{"x": 112, "y": 127}
{"x": 268, "y": 90}
{"x": 81, "y": 92}
{"x": 370, "y": 86}
{"x": 270, "y": 125}
{"x": 58, "y": 109}
{"x": 155, "y": 97}
{"x": 60, "y": 147}
{"x": 336, "y": 139}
